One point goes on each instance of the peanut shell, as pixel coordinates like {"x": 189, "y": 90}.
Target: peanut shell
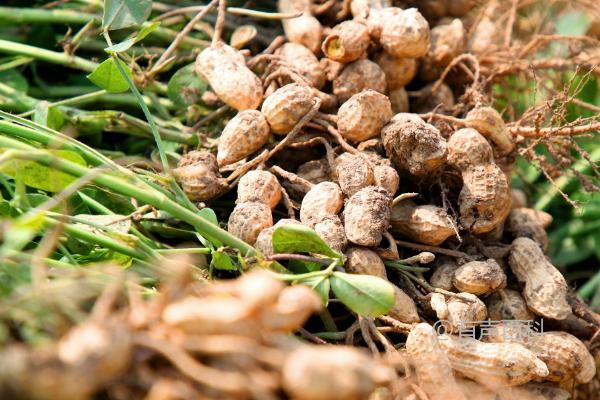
{"x": 323, "y": 199}
{"x": 378, "y": 18}
{"x": 315, "y": 171}
{"x": 404, "y": 309}
{"x": 507, "y": 304}
{"x": 347, "y": 42}
{"x": 363, "y": 115}
{"x": 387, "y": 178}
{"x": 259, "y": 186}
{"x": 414, "y": 145}
{"x": 467, "y": 147}
{"x": 358, "y": 76}
{"x": 523, "y": 222}
{"x": 367, "y": 215}
{"x": 399, "y": 100}
{"x": 399, "y": 72}
{"x": 361, "y": 260}
{"x": 353, "y": 173}
{"x": 479, "y": 277}
{"x": 247, "y": 220}
{"x": 306, "y": 29}
{"x": 224, "y": 68}
{"x": 424, "y": 224}
{"x": 303, "y": 61}
{"x": 489, "y": 123}
{"x": 198, "y": 174}
{"x": 264, "y": 240}
{"x": 406, "y": 35}
{"x": 443, "y": 273}
{"x": 447, "y": 42}
{"x": 545, "y": 289}
{"x": 244, "y": 134}
{"x": 286, "y": 106}
{"x": 331, "y": 230}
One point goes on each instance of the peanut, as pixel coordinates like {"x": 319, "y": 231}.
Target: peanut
{"x": 479, "y": 277}
{"x": 303, "y": 61}
{"x": 198, "y": 174}
{"x": 404, "y": 309}
{"x": 286, "y": 106}
{"x": 346, "y": 42}
{"x": 306, "y": 29}
{"x": 293, "y": 307}
{"x": 406, "y": 35}
{"x": 331, "y": 230}
{"x": 458, "y": 312}
{"x": 323, "y": 199}
{"x": 545, "y": 289}
{"x": 378, "y": 18}
{"x": 443, "y": 273}
{"x": 224, "y": 68}
{"x": 315, "y": 171}
{"x": 387, "y": 177}
{"x": 399, "y": 100}
{"x": 425, "y": 224}
{"x": 244, "y": 134}
{"x": 247, "y": 220}
{"x": 361, "y": 260}
{"x": 367, "y": 215}
{"x": 398, "y": 71}
{"x": 447, "y": 42}
{"x": 259, "y": 186}
{"x": 507, "y": 304}
{"x": 489, "y": 123}
{"x": 358, "y": 76}
{"x": 264, "y": 240}
{"x": 523, "y": 222}
{"x": 363, "y": 115}
{"x": 353, "y": 173}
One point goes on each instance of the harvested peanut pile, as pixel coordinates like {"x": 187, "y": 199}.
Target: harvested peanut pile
{"x": 370, "y": 245}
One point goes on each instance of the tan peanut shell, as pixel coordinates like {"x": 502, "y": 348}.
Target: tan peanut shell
{"x": 489, "y": 123}
{"x": 293, "y": 307}
{"x": 467, "y": 147}
{"x": 507, "y": 304}
{"x": 198, "y": 174}
{"x": 545, "y": 289}
{"x": 485, "y": 199}
{"x": 363, "y": 115}
{"x": 367, "y": 216}
{"x": 351, "y": 374}
{"x": 441, "y": 99}
{"x": 479, "y": 277}
{"x": 323, "y": 199}
{"x": 458, "y": 313}
{"x": 447, "y": 42}
{"x": 399, "y": 72}
{"x": 378, "y": 18}
{"x": 259, "y": 186}
{"x": 443, "y": 273}
{"x": 353, "y": 173}
{"x": 264, "y": 241}
{"x": 361, "y": 260}
{"x": 404, "y": 309}
{"x": 306, "y": 29}
{"x": 387, "y": 178}
{"x": 358, "y": 76}
{"x": 362, "y": 8}
{"x": 494, "y": 365}
{"x": 286, "y": 106}
{"x": 300, "y": 59}
{"x": 414, "y": 145}
{"x": 224, "y": 68}
{"x": 331, "y": 230}
{"x": 315, "y": 171}
{"x": 523, "y": 222}
{"x": 244, "y": 134}
{"x": 399, "y": 100}
{"x": 406, "y": 35}
{"x": 424, "y": 224}
{"x": 432, "y": 366}
{"x": 247, "y": 220}
{"x": 347, "y": 42}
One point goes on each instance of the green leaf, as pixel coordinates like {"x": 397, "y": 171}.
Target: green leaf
{"x": 573, "y": 23}
{"x": 15, "y": 80}
{"x": 209, "y": 215}
{"x": 222, "y": 261}
{"x": 48, "y": 116}
{"x": 108, "y": 77}
{"x": 119, "y": 14}
{"x": 319, "y": 284}
{"x": 186, "y": 87}
{"x": 22, "y": 230}
{"x": 364, "y": 294}
{"x": 40, "y": 176}
{"x": 125, "y": 45}
{"x": 300, "y": 239}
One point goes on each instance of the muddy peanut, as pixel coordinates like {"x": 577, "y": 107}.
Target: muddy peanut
{"x": 425, "y": 223}
{"x": 306, "y": 29}
{"x": 363, "y": 115}
{"x": 286, "y": 106}
{"x": 347, "y": 42}
{"x": 264, "y": 241}
{"x": 398, "y": 71}
{"x": 259, "y": 186}
{"x": 545, "y": 289}
{"x": 247, "y": 220}
{"x": 198, "y": 174}
{"x": 331, "y": 230}
{"x": 443, "y": 273}
{"x": 353, "y": 173}
{"x": 367, "y": 216}
{"x": 406, "y": 35}
{"x": 489, "y": 123}
{"x": 479, "y": 277}
{"x": 244, "y": 134}
{"x": 361, "y": 260}
{"x": 323, "y": 199}
{"x": 303, "y": 61}
{"x": 358, "y": 76}
{"x": 387, "y": 178}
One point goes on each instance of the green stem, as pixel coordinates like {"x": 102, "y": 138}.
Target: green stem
{"x": 197, "y": 250}
{"x": 590, "y": 286}
{"x": 297, "y": 277}
{"x": 403, "y": 267}
{"x": 73, "y": 100}
{"x": 143, "y": 195}
{"x": 47, "y": 55}
{"x": 17, "y": 62}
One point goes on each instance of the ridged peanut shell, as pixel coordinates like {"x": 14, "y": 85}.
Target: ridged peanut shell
{"x": 467, "y": 147}
{"x": 485, "y": 199}
{"x": 523, "y": 222}
{"x": 259, "y": 186}
{"x": 331, "y": 230}
{"x": 361, "y": 260}
{"x": 304, "y": 62}
{"x": 363, "y": 115}
{"x": 387, "y": 178}
{"x": 443, "y": 273}
{"x": 198, "y": 174}
{"x": 353, "y": 173}
{"x": 306, "y": 29}
{"x": 244, "y": 134}
{"x": 347, "y": 42}
{"x": 447, "y": 42}
{"x": 494, "y": 365}
{"x": 399, "y": 71}
{"x": 358, "y": 76}
{"x": 432, "y": 366}
{"x": 507, "y": 304}
{"x": 323, "y": 199}
{"x": 404, "y": 309}
{"x": 424, "y": 223}
{"x": 458, "y": 313}
{"x": 362, "y": 8}
{"x": 406, "y": 35}
{"x": 367, "y": 216}
{"x": 264, "y": 240}
{"x": 224, "y": 68}
{"x": 286, "y": 106}
{"x": 247, "y": 220}
{"x": 545, "y": 289}
{"x": 479, "y": 277}
{"x": 489, "y": 123}
{"x": 378, "y": 18}
{"x": 414, "y": 145}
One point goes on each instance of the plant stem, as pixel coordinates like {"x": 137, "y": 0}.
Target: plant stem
{"x": 19, "y": 16}
{"x": 47, "y": 55}
{"x": 402, "y": 267}
{"x": 144, "y": 195}
{"x": 198, "y": 250}
{"x": 73, "y": 100}
{"x": 590, "y": 286}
